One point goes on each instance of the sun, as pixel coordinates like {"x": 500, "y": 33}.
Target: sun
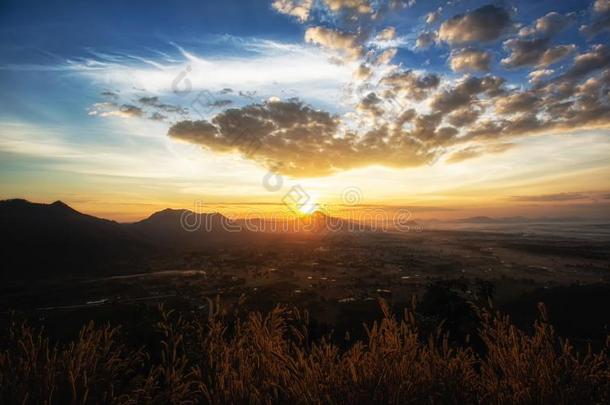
{"x": 307, "y": 203}
{"x": 308, "y": 207}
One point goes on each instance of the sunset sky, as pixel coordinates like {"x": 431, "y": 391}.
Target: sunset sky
{"x": 451, "y": 109}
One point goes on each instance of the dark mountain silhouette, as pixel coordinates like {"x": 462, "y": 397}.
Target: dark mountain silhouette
{"x": 52, "y": 239}
{"x": 184, "y": 229}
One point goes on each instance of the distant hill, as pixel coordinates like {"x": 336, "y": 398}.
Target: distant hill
{"x": 513, "y": 220}
{"x": 51, "y": 239}
{"x": 184, "y": 229}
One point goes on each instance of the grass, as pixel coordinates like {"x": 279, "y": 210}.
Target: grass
{"x": 270, "y": 358}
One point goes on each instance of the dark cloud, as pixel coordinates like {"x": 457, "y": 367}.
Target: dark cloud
{"x": 110, "y": 94}
{"x": 600, "y": 21}
{"x": 154, "y": 102}
{"x": 548, "y": 25}
{"x": 463, "y": 117}
{"x": 220, "y": 103}
{"x": 411, "y": 84}
{"x": 484, "y": 24}
{"x": 150, "y": 101}
{"x": 156, "y": 116}
{"x": 464, "y": 94}
{"x": 371, "y": 105}
{"x": 596, "y": 27}
{"x": 296, "y": 140}
{"x": 534, "y": 52}
{"x": 520, "y": 101}
{"x": 128, "y": 110}
{"x": 597, "y": 58}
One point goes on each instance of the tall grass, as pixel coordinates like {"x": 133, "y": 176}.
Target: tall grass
{"x": 270, "y": 358}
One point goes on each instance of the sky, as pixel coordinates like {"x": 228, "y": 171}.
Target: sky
{"x": 450, "y": 109}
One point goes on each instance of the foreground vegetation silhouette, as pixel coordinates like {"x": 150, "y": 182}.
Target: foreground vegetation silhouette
{"x": 271, "y": 358}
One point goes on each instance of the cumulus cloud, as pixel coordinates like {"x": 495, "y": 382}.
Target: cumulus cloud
{"x": 601, "y": 6}
{"x": 400, "y": 117}
{"x": 386, "y": 34}
{"x": 425, "y": 39}
{"x": 484, "y": 24}
{"x": 360, "y": 6}
{"x": 463, "y": 117}
{"x": 296, "y": 8}
{"x": 585, "y": 63}
{"x": 534, "y": 52}
{"x": 471, "y": 117}
{"x": 600, "y": 21}
{"x": 347, "y": 44}
{"x": 410, "y": 84}
{"x": 363, "y": 72}
{"x": 536, "y": 76}
{"x": 470, "y": 59}
{"x": 548, "y": 25}
{"x": 294, "y": 139}
{"x": 386, "y": 56}
{"x": 516, "y": 102}
{"x": 465, "y": 93}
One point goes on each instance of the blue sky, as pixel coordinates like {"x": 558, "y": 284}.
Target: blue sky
{"x": 91, "y": 92}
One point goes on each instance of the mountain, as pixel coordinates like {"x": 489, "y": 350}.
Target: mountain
{"x": 514, "y": 220}
{"x": 52, "y": 239}
{"x": 184, "y": 229}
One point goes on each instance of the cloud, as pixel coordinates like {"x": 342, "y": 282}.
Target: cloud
{"x": 111, "y": 109}
{"x": 360, "y": 6}
{"x": 293, "y": 139}
{"x": 156, "y": 116}
{"x": 534, "y": 52}
{"x": 296, "y": 8}
{"x": 433, "y": 16}
{"x": 516, "y": 103}
{"x": 348, "y": 44}
{"x": 484, "y": 24}
{"x": 410, "y": 84}
{"x": 548, "y": 25}
{"x": 550, "y": 197}
{"x": 110, "y": 94}
{"x": 463, "y": 117}
{"x": 536, "y": 76}
{"x": 597, "y": 58}
{"x": 472, "y": 152}
{"x": 370, "y": 105}
{"x": 363, "y": 72}
{"x": 475, "y": 115}
{"x": 386, "y": 35}
{"x": 386, "y": 56}
{"x": 425, "y": 39}
{"x": 596, "y": 27}
{"x": 465, "y": 93}
{"x": 600, "y": 21}
{"x": 154, "y": 102}
{"x": 601, "y": 6}
{"x": 470, "y": 59}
